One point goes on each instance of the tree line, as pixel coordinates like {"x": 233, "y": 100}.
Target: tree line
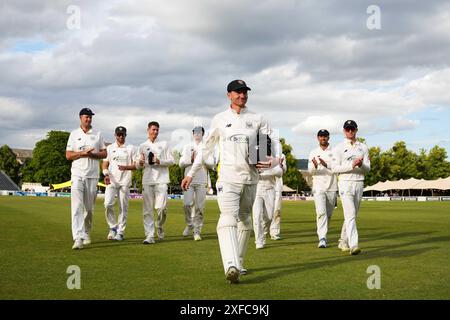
{"x": 49, "y": 165}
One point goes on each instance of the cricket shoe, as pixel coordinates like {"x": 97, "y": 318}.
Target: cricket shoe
{"x": 232, "y": 275}
{"x": 87, "y": 241}
{"x": 343, "y": 246}
{"x": 197, "y": 237}
{"x": 112, "y": 233}
{"x": 149, "y": 240}
{"x": 322, "y": 243}
{"x": 187, "y": 231}
{"x": 78, "y": 244}
{"x": 243, "y": 271}
{"x": 119, "y": 237}
{"x": 355, "y": 250}
{"x": 275, "y": 237}
{"x": 260, "y": 246}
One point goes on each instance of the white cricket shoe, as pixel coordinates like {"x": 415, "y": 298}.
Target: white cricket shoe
{"x": 112, "y": 234}
{"x": 87, "y": 241}
{"x": 355, "y": 250}
{"x": 260, "y": 246}
{"x": 149, "y": 240}
{"x": 118, "y": 237}
{"x": 197, "y": 237}
{"x": 322, "y": 243}
{"x": 232, "y": 275}
{"x": 243, "y": 271}
{"x": 78, "y": 244}
{"x": 275, "y": 237}
{"x": 343, "y": 246}
{"x": 187, "y": 231}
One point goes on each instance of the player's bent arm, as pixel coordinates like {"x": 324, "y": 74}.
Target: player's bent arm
{"x": 207, "y": 150}
{"x": 73, "y": 155}
{"x": 365, "y": 167}
{"x": 185, "y": 159}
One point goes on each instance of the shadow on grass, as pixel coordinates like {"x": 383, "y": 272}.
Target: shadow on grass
{"x": 394, "y": 251}
{"x": 138, "y": 241}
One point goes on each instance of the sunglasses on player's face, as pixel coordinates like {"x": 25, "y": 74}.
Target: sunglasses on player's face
{"x": 350, "y": 129}
{"x": 121, "y": 135}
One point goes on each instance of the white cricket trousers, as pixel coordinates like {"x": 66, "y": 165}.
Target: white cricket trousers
{"x": 263, "y": 210}
{"x": 83, "y": 195}
{"x": 123, "y": 195}
{"x": 351, "y": 193}
{"x": 194, "y": 206}
{"x": 275, "y": 225}
{"x": 155, "y": 196}
{"x": 324, "y": 202}
{"x": 235, "y": 223}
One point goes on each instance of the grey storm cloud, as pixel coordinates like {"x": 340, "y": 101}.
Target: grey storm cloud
{"x": 167, "y": 58}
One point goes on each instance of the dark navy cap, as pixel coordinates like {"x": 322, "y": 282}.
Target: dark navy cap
{"x": 86, "y": 111}
{"x": 350, "y": 124}
{"x": 323, "y": 132}
{"x": 237, "y": 85}
{"x": 122, "y": 130}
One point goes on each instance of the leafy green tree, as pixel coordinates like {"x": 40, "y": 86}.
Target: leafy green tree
{"x": 49, "y": 163}
{"x": 9, "y": 163}
{"x": 437, "y": 166}
{"x": 292, "y": 178}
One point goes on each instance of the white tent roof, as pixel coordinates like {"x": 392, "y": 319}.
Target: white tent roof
{"x": 412, "y": 183}
{"x": 441, "y": 184}
{"x": 287, "y": 189}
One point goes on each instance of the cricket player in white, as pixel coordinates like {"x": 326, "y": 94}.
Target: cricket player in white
{"x": 263, "y": 207}
{"x": 352, "y": 162}
{"x": 235, "y": 131}
{"x": 194, "y": 197}
{"x": 155, "y": 158}
{"x": 325, "y": 186}
{"x": 117, "y": 166}
{"x": 84, "y": 148}
{"x": 275, "y": 223}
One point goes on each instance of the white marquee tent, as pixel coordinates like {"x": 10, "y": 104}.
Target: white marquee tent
{"x": 411, "y": 184}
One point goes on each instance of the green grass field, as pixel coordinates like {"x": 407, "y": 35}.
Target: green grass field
{"x": 408, "y": 241}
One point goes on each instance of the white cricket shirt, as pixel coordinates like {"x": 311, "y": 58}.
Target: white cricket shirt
{"x": 235, "y": 134}
{"x": 156, "y": 173}
{"x": 201, "y": 177}
{"x": 323, "y": 178}
{"x": 80, "y": 141}
{"x": 345, "y": 153}
{"x": 124, "y": 155}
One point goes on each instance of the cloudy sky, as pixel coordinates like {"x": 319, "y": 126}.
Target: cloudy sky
{"x": 310, "y": 64}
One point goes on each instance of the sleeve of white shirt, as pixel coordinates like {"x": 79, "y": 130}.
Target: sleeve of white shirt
{"x": 138, "y": 157}
{"x": 134, "y": 155}
{"x": 285, "y": 166}
{"x": 185, "y": 159}
{"x": 70, "y": 143}
{"x": 101, "y": 143}
{"x": 108, "y": 153}
{"x": 365, "y": 167}
{"x": 208, "y": 148}
{"x": 311, "y": 168}
{"x": 168, "y": 160}
{"x": 277, "y": 172}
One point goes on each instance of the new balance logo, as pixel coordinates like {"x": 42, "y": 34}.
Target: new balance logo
{"x": 228, "y": 125}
